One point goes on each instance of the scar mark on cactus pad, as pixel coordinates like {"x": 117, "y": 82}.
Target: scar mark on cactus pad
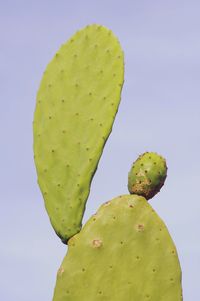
{"x": 107, "y": 203}
{"x": 141, "y": 186}
{"x": 97, "y": 243}
{"x": 141, "y": 173}
{"x": 140, "y": 227}
{"x": 60, "y": 271}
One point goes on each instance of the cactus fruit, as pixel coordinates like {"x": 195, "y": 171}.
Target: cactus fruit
{"x": 124, "y": 252}
{"x": 147, "y": 175}
{"x": 76, "y": 105}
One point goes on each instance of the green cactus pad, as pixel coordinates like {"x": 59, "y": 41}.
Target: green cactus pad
{"x": 76, "y": 105}
{"x": 124, "y": 252}
{"x": 147, "y": 175}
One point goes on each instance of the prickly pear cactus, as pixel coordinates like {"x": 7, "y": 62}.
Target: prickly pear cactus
{"x": 124, "y": 252}
{"x": 147, "y": 175}
{"x": 76, "y": 105}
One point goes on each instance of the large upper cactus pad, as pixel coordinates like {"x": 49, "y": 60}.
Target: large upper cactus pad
{"x": 124, "y": 252}
{"x": 76, "y": 105}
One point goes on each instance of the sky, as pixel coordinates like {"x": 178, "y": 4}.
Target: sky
{"x": 159, "y": 112}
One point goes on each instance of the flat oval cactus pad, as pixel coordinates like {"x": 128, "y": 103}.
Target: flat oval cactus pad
{"x": 123, "y": 253}
{"x": 76, "y": 106}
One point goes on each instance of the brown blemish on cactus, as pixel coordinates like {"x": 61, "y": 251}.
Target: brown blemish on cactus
{"x": 97, "y": 243}
{"x": 140, "y": 227}
{"x": 107, "y": 203}
{"x": 71, "y": 242}
{"x": 60, "y": 271}
{"x": 141, "y": 186}
{"x": 141, "y": 173}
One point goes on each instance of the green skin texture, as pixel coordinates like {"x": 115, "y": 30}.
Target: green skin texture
{"x": 124, "y": 252}
{"x": 147, "y": 175}
{"x": 76, "y": 106}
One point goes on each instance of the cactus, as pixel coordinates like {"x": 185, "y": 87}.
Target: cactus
{"x": 147, "y": 175}
{"x": 76, "y": 105}
{"x": 124, "y": 252}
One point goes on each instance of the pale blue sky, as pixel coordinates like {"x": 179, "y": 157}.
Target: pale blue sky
{"x": 159, "y": 111}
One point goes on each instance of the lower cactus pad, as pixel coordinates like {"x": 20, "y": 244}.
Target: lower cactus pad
{"x": 124, "y": 252}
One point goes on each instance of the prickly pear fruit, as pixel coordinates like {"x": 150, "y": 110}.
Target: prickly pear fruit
{"x": 147, "y": 175}
{"x": 76, "y": 105}
{"x": 124, "y": 252}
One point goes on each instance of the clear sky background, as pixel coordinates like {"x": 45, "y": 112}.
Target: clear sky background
{"x": 160, "y": 111}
